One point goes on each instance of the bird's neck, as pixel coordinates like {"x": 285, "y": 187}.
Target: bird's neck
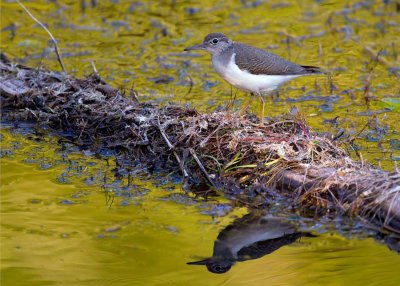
{"x": 223, "y": 249}
{"x": 223, "y": 57}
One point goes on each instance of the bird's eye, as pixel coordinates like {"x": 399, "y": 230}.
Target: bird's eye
{"x": 214, "y": 41}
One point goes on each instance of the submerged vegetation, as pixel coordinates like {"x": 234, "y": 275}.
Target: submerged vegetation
{"x": 253, "y": 164}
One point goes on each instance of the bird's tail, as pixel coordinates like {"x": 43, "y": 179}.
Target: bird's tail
{"x": 313, "y": 70}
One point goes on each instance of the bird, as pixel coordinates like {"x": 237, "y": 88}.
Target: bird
{"x": 249, "y": 68}
{"x": 250, "y": 237}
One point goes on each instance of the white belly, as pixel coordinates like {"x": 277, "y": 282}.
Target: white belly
{"x": 246, "y": 81}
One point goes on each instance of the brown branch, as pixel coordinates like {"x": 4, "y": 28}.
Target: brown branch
{"x": 202, "y": 167}
{"x": 171, "y": 147}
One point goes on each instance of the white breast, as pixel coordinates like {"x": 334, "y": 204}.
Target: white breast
{"x": 246, "y": 81}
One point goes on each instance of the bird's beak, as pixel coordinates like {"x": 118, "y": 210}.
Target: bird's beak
{"x": 200, "y": 262}
{"x": 195, "y": 47}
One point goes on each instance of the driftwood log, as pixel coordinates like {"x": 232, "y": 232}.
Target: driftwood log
{"x": 222, "y": 151}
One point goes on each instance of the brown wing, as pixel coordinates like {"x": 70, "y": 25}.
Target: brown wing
{"x": 257, "y": 61}
{"x": 261, "y": 248}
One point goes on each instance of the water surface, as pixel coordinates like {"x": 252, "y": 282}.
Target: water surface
{"x": 67, "y": 220}
{"x": 59, "y": 227}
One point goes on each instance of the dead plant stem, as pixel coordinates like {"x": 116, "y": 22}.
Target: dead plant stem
{"x": 48, "y": 32}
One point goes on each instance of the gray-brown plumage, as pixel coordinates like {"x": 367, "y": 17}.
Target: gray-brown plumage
{"x": 257, "y": 61}
{"x": 254, "y": 60}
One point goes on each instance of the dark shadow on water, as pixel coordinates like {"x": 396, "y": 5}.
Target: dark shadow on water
{"x": 250, "y": 237}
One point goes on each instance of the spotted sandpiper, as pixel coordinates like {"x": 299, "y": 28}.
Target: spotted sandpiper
{"x": 248, "y": 68}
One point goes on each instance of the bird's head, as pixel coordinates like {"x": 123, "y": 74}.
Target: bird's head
{"x": 213, "y": 43}
{"x": 215, "y": 264}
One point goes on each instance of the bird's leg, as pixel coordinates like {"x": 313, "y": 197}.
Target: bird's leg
{"x": 262, "y": 108}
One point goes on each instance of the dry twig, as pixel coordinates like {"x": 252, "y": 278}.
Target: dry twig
{"x": 48, "y": 32}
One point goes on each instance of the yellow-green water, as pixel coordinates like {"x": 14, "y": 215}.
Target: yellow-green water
{"x": 58, "y": 227}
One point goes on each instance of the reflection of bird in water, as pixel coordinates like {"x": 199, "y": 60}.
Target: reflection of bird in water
{"x": 249, "y": 237}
